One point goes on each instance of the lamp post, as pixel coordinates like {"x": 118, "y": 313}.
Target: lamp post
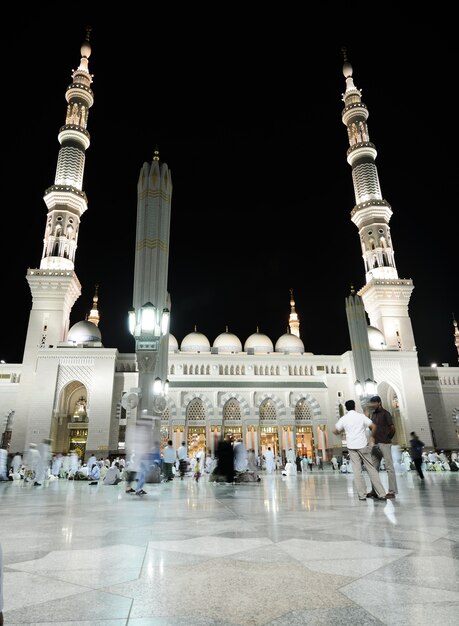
{"x": 150, "y": 329}
{"x": 365, "y": 386}
{"x": 365, "y": 390}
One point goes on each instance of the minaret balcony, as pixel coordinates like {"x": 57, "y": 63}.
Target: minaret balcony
{"x": 373, "y": 211}
{"x": 362, "y": 150}
{"x": 72, "y": 132}
{"x": 66, "y": 196}
{"x": 80, "y": 92}
{"x": 351, "y": 111}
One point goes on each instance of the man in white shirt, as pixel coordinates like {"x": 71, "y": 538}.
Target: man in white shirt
{"x": 169, "y": 457}
{"x": 269, "y": 460}
{"x": 182, "y": 456}
{"x": 354, "y": 425}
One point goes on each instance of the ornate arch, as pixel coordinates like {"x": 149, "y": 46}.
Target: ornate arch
{"x": 228, "y": 396}
{"x": 204, "y": 399}
{"x": 280, "y": 406}
{"x": 80, "y": 375}
{"x": 313, "y": 403}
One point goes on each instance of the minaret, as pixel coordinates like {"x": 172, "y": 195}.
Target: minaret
{"x": 456, "y": 335}
{"x": 385, "y": 295}
{"x": 293, "y": 321}
{"x": 94, "y": 315}
{"x": 55, "y": 286}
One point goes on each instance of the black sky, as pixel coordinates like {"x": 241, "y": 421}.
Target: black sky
{"x": 249, "y": 123}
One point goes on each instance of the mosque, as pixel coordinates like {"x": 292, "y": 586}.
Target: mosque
{"x": 265, "y": 391}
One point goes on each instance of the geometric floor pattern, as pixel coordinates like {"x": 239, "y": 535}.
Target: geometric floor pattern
{"x": 287, "y": 551}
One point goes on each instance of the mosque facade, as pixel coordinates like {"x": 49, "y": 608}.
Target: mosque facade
{"x": 72, "y": 389}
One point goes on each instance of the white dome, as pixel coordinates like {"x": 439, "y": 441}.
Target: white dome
{"x": 258, "y": 342}
{"x": 84, "y": 332}
{"x": 227, "y": 342}
{"x": 289, "y": 343}
{"x": 195, "y": 342}
{"x": 173, "y": 343}
{"x": 376, "y": 339}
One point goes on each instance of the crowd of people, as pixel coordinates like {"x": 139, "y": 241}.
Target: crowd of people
{"x": 368, "y": 439}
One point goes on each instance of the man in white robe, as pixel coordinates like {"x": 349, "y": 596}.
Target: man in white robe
{"x": 269, "y": 460}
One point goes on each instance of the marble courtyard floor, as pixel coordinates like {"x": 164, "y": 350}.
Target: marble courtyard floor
{"x": 283, "y": 552}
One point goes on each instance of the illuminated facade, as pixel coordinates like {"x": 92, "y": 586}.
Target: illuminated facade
{"x": 70, "y": 388}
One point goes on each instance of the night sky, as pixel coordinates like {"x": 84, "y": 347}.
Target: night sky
{"x": 248, "y": 120}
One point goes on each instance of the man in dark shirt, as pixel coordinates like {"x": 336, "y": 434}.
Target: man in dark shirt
{"x": 416, "y": 447}
{"x": 385, "y": 430}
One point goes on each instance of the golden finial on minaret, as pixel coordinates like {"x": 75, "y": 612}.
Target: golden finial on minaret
{"x": 156, "y": 155}
{"x": 88, "y": 32}
{"x": 344, "y": 51}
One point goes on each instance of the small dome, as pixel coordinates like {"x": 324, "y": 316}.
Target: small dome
{"x": 227, "y": 342}
{"x": 173, "y": 343}
{"x": 195, "y": 342}
{"x": 289, "y": 343}
{"x": 376, "y": 339}
{"x": 258, "y": 342}
{"x": 84, "y": 332}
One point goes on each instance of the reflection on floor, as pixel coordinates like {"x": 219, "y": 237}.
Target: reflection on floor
{"x": 285, "y": 551}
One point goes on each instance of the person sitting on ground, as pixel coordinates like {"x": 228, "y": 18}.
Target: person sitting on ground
{"x": 94, "y": 474}
{"x": 113, "y": 475}
{"x": 290, "y": 469}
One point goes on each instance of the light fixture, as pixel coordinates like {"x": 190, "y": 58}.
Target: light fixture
{"x": 370, "y": 387}
{"x": 165, "y": 321}
{"x": 157, "y": 386}
{"x": 131, "y": 321}
{"x": 147, "y": 318}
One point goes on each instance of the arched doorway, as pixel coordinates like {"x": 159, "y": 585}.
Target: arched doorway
{"x": 69, "y": 430}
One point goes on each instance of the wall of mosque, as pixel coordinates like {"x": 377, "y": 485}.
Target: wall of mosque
{"x": 283, "y": 394}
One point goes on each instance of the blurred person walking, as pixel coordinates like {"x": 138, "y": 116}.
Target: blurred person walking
{"x": 31, "y": 461}
{"x": 416, "y": 447}
{"x": 44, "y": 465}
{"x": 225, "y": 459}
{"x": 16, "y": 464}
{"x": 382, "y": 448}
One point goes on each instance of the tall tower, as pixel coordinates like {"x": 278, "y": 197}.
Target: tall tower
{"x": 385, "y": 295}
{"x": 55, "y": 286}
{"x": 149, "y": 319}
